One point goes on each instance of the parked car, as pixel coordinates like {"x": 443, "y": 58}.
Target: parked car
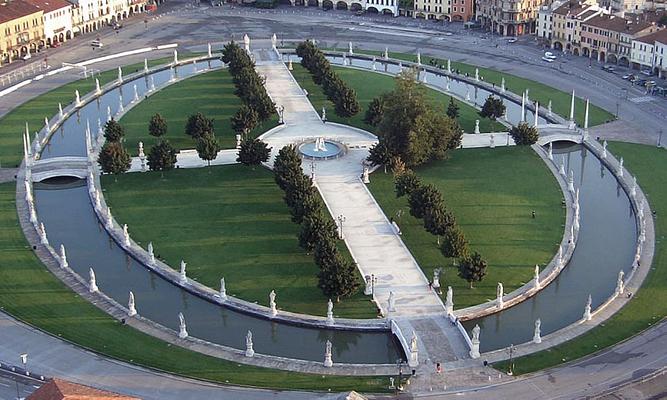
{"x": 628, "y": 77}
{"x": 26, "y": 57}
{"x": 646, "y": 72}
{"x": 550, "y": 55}
{"x": 640, "y": 82}
{"x": 511, "y": 40}
{"x": 96, "y": 43}
{"x": 547, "y": 59}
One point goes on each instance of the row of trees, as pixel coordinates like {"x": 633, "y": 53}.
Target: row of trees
{"x": 427, "y": 203}
{"x": 257, "y": 106}
{"x": 408, "y": 126}
{"x": 337, "y": 276}
{"x": 341, "y": 95}
{"x": 114, "y": 158}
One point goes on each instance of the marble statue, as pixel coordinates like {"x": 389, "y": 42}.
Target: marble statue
{"x": 131, "y": 309}
{"x": 151, "y": 254}
{"x": 249, "y": 352}
{"x": 183, "y": 277}
{"x": 92, "y": 283}
{"x": 392, "y": 302}
{"x": 474, "y": 350}
{"x": 182, "y": 330}
{"x": 328, "y": 362}
{"x": 536, "y": 277}
{"x": 63, "y": 257}
{"x": 449, "y": 301}
{"x": 537, "y": 336}
{"x": 223, "y": 289}
{"x": 499, "y": 295}
{"x": 272, "y": 303}
{"x": 587, "y": 309}
{"x": 620, "y": 286}
{"x": 330, "y": 318}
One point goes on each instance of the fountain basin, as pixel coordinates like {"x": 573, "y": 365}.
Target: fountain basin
{"x": 321, "y": 149}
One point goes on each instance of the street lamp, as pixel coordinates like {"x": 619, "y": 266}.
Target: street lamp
{"x": 341, "y": 218}
{"x": 510, "y": 371}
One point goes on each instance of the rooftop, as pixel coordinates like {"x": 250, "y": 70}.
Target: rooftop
{"x": 618, "y": 24}
{"x": 50, "y": 5}
{"x": 59, "y": 389}
{"x": 11, "y": 10}
{"x": 660, "y": 37}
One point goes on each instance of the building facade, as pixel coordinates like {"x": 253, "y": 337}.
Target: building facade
{"x": 567, "y": 20}
{"x": 649, "y": 52}
{"x": 57, "y": 20}
{"x": 604, "y": 37}
{"x": 21, "y": 29}
{"x": 509, "y": 17}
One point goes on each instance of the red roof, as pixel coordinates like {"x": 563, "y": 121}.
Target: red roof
{"x": 50, "y": 5}
{"x": 58, "y": 389}
{"x": 660, "y": 37}
{"x": 10, "y": 10}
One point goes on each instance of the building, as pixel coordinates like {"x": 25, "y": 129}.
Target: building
{"x": 545, "y": 21}
{"x": 445, "y": 10}
{"x": 566, "y": 24}
{"x": 649, "y": 52}
{"x": 509, "y": 17}
{"x": 21, "y": 29}
{"x": 57, "y": 20}
{"x": 601, "y": 36}
{"x": 59, "y": 389}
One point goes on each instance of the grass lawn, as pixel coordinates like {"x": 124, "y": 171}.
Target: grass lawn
{"x": 226, "y": 221}
{"x": 560, "y": 101}
{"x": 46, "y": 105}
{"x": 369, "y": 85}
{"x": 211, "y": 93}
{"x": 31, "y": 293}
{"x": 648, "y": 305}
{"x": 492, "y": 193}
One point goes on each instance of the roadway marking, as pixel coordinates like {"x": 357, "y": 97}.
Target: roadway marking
{"x": 643, "y": 99}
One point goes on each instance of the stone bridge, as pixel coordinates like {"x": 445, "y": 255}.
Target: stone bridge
{"x": 559, "y": 133}
{"x": 76, "y": 167}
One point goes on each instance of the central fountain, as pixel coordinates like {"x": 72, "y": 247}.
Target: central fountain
{"x": 321, "y": 149}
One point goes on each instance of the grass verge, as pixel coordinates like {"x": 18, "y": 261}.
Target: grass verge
{"x": 227, "y": 221}
{"x": 211, "y": 93}
{"x": 31, "y": 293}
{"x": 560, "y": 101}
{"x": 46, "y": 105}
{"x": 648, "y": 305}
{"x": 369, "y": 85}
{"x": 492, "y": 193}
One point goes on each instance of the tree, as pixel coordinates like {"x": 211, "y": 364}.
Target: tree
{"x": 410, "y": 126}
{"x": 454, "y": 243}
{"x": 437, "y": 221}
{"x": 162, "y": 156}
{"x": 452, "y": 109}
{"x": 374, "y": 112}
{"x": 157, "y": 126}
{"x": 379, "y": 155}
{"x": 493, "y": 108}
{"x": 346, "y": 104}
{"x": 423, "y": 199}
{"x": 208, "y": 147}
{"x": 315, "y": 228}
{"x": 253, "y": 152}
{"x": 337, "y": 277}
{"x": 113, "y": 131}
{"x": 244, "y": 120}
{"x": 197, "y": 125}
{"x": 524, "y": 134}
{"x": 472, "y": 268}
{"x": 663, "y": 20}
{"x": 302, "y": 198}
{"x": 287, "y": 166}
{"x": 406, "y": 182}
{"x": 113, "y": 158}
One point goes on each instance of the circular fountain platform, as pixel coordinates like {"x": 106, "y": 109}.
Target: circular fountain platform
{"x": 321, "y": 149}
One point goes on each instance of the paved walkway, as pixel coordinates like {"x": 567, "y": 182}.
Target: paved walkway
{"x": 374, "y": 244}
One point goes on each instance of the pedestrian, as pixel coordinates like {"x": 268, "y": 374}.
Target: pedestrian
{"x": 533, "y": 214}
{"x": 438, "y": 368}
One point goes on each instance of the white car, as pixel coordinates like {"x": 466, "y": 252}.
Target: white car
{"x": 26, "y": 57}
{"x": 96, "y": 43}
{"x": 512, "y": 40}
{"x": 550, "y": 55}
{"x": 547, "y": 59}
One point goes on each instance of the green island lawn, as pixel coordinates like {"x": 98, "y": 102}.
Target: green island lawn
{"x": 211, "y": 93}
{"x": 227, "y": 221}
{"x": 492, "y": 193}
{"x": 560, "y": 101}
{"x": 33, "y": 111}
{"x": 29, "y": 292}
{"x": 648, "y": 305}
{"x": 369, "y": 85}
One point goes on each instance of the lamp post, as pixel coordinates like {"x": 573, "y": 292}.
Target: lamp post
{"x": 341, "y": 218}
{"x": 374, "y": 280}
{"x": 510, "y": 371}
